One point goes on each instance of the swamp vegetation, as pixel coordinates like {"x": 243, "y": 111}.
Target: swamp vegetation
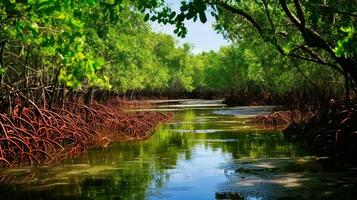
{"x": 69, "y": 67}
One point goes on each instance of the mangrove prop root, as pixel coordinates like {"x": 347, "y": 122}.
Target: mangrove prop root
{"x": 331, "y": 132}
{"x": 37, "y": 135}
{"x": 284, "y": 118}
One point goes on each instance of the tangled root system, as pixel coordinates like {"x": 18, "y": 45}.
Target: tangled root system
{"x": 34, "y": 135}
{"x": 284, "y": 118}
{"x": 332, "y": 132}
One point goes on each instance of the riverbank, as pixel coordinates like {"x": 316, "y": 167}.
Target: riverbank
{"x": 331, "y": 132}
{"x": 38, "y": 135}
{"x": 206, "y": 152}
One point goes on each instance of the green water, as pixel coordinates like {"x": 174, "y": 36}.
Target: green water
{"x": 208, "y": 152}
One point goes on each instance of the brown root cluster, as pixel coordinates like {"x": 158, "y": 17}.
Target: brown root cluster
{"x": 123, "y": 104}
{"x": 284, "y": 118}
{"x": 102, "y": 118}
{"x": 34, "y": 135}
{"x": 332, "y": 132}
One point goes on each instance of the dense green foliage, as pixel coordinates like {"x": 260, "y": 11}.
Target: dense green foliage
{"x": 317, "y": 31}
{"x": 49, "y": 49}
{"x": 250, "y": 69}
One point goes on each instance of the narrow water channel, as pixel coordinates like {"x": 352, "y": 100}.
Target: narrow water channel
{"x": 208, "y": 152}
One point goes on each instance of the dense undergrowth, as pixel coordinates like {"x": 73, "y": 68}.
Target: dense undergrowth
{"x": 331, "y": 132}
{"x": 36, "y": 135}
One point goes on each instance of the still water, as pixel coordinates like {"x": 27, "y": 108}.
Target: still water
{"x": 207, "y": 152}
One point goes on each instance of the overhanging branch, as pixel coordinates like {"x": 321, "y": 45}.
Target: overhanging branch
{"x": 241, "y": 13}
{"x": 332, "y": 9}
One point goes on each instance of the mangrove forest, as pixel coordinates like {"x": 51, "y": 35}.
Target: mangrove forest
{"x": 97, "y": 103}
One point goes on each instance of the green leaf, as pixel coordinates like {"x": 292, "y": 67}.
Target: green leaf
{"x": 203, "y": 17}
{"x": 147, "y": 16}
{"x": 172, "y": 15}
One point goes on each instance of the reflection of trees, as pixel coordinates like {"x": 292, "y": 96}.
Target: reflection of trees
{"x": 255, "y": 144}
{"x": 134, "y": 170}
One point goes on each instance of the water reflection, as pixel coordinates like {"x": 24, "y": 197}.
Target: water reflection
{"x": 203, "y": 154}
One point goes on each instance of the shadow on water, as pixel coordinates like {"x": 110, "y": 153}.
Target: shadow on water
{"x": 207, "y": 153}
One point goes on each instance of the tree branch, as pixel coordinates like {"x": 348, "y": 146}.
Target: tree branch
{"x": 315, "y": 61}
{"x": 316, "y": 58}
{"x": 242, "y": 13}
{"x": 330, "y": 8}
{"x": 300, "y": 13}
{"x": 269, "y": 16}
{"x": 2, "y": 65}
{"x": 290, "y": 15}
{"x": 311, "y": 37}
